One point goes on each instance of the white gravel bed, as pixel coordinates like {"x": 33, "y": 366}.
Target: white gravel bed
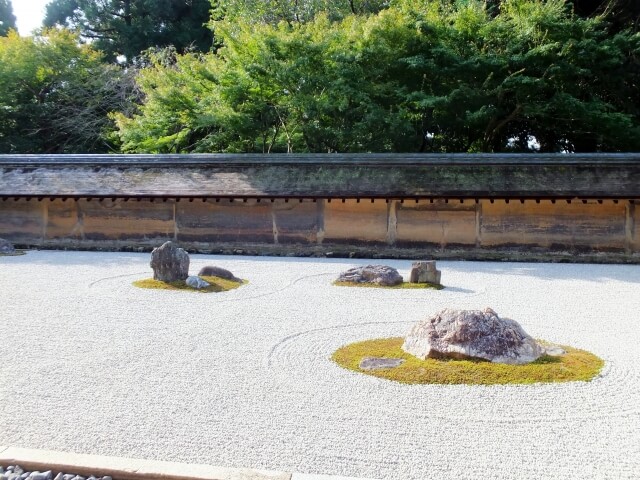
{"x": 91, "y": 364}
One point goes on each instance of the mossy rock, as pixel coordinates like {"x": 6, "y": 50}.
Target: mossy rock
{"x": 574, "y": 365}
{"x": 216, "y": 284}
{"x": 401, "y": 286}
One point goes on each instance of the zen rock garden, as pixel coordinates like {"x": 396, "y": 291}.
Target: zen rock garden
{"x": 170, "y": 265}
{"x": 450, "y": 347}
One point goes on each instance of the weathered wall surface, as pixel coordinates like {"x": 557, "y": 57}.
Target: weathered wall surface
{"x": 606, "y": 230}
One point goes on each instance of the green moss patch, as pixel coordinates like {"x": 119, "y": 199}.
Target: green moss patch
{"x": 401, "y": 286}
{"x": 575, "y": 365}
{"x": 217, "y": 284}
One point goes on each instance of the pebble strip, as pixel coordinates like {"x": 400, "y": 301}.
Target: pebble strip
{"x": 15, "y": 472}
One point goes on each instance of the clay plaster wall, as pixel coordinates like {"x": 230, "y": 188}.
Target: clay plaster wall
{"x": 438, "y": 225}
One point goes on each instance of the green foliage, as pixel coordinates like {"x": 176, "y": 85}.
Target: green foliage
{"x": 7, "y": 18}
{"x": 425, "y": 75}
{"x": 575, "y": 365}
{"x": 291, "y": 11}
{"x": 127, "y": 27}
{"x": 55, "y": 95}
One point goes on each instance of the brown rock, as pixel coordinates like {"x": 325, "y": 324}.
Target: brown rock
{"x": 473, "y": 334}
{"x": 375, "y": 274}
{"x": 211, "y": 271}
{"x": 425, "y": 272}
{"x": 169, "y": 263}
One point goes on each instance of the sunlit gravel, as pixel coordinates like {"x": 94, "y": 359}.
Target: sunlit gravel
{"x": 91, "y": 364}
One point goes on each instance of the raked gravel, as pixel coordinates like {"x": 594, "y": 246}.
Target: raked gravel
{"x": 91, "y": 364}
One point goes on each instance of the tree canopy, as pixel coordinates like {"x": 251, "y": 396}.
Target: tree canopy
{"x": 127, "y": 27}
{"x": 421, "y": 75}
{"x": 7, "y": 18}
{"x": 56, "y": 95}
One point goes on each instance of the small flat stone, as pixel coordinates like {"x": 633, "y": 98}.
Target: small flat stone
{"x": 59, "y": 476}
{"x": 377, "y": 363}
{"x": 196, "y": 282}
{"x": 554, "y": 351}
{"x": 68, "y": 476}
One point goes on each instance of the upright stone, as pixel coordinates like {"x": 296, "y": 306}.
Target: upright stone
{"x": 425, "y": 272}
{"x": 169, "y": 263}
{"x": 472, "y": 334}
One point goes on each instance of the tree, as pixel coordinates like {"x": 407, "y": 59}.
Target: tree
{"x": 422, "y": 75}
{"x": 127, "y": 27}
{"x": 55, "y": 95}
{"x": 7, "y": 18}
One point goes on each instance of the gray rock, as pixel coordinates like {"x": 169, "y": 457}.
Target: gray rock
{"x": 48, "y": 475}
{"x": 472, "y": 334}
{"x": 374, "y": 274}
{"x": 59, "y": 476}
{"x": 425, "y": 272}
{"x": 107, "y": 477}
{"x": 554, "y": 350}
{"x": 169, "y": 263}
{"x": 78, "y": 477}
{"x": 376, "y": 363}
{"x": 6, "y": 247}
{"x": 196, "y": 282}
{"x": 211, "y": 271}
{"x": 68, "y": 476}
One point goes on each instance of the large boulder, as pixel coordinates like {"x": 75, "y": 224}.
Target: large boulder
{"x": 425, "y": 272}
{"x": 472, "y": 334}
{"x": 374, "y": 274}
{"x": 6, "y": 247}
{"x": 169, "y": 263}
{"x": 212, "y": 271}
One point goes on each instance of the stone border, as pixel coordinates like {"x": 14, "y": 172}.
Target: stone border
{"x": 138, "y": 469}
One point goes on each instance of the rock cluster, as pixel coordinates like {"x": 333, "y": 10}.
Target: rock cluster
{"x": 169, "y": 263}
{"x": 425, "y": 272}
{"x": 6, "y": 247}
{"x": 211, "y": 271}
{"x": 374, "y": 274}
{"x": 472, "y": 334}
{"x": 15, "y": 472}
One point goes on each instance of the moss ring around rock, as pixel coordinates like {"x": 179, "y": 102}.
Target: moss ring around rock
{"x": 397, "y": 365}
{"x": 216, "y": 284}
